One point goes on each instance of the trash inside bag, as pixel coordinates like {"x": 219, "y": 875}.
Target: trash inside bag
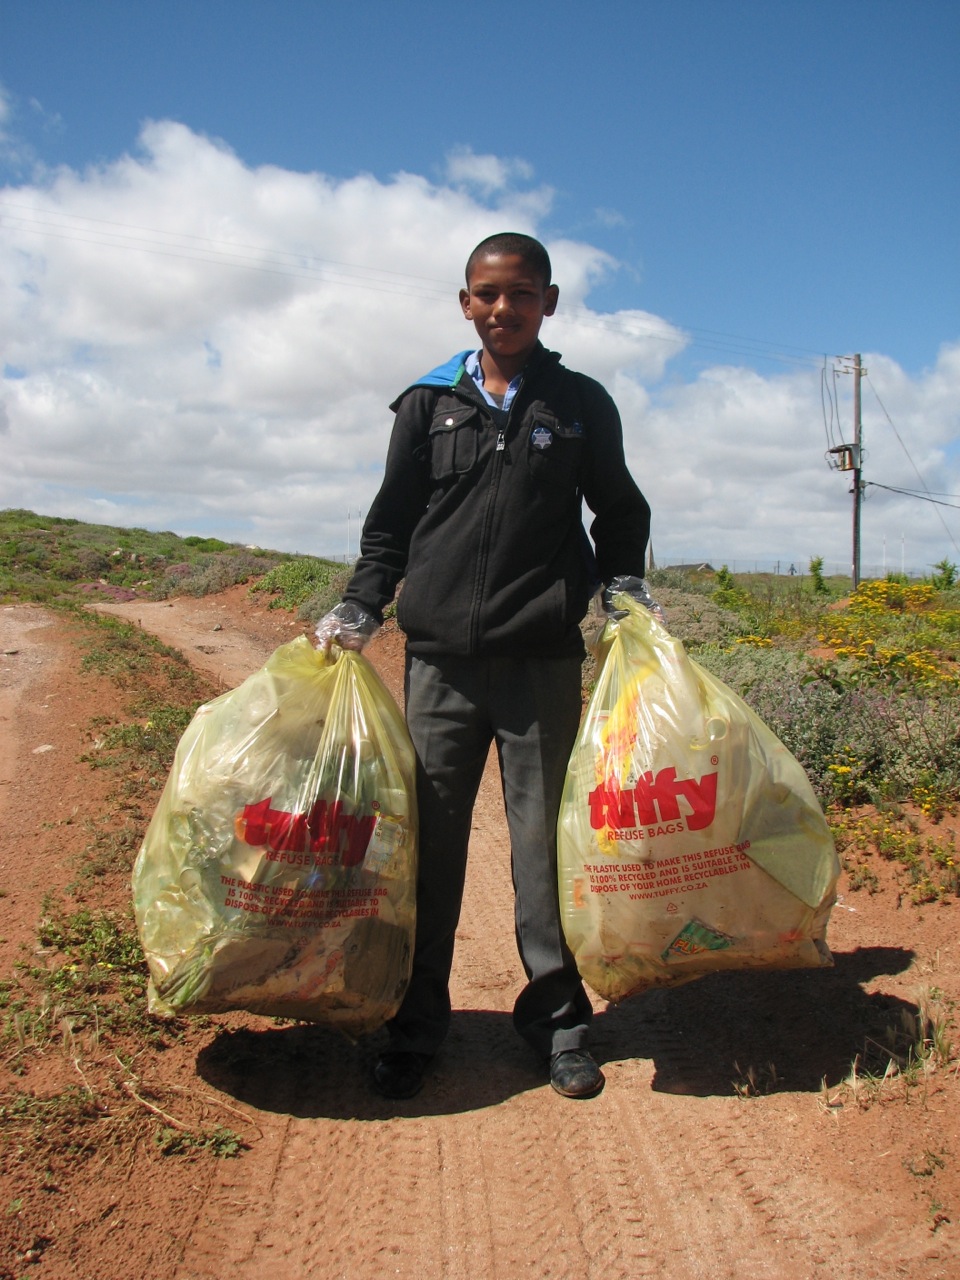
{"x": 278, "y": 872}
{"x": 690, "y": 839}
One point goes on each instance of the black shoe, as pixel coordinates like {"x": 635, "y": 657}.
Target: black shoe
{"x": 397, "y": 1074}
{"x": 575, "y": 1074}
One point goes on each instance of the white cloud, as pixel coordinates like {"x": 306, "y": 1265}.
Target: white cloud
{"x": 487, "y": 174}
{"x": 10, "y": 149}
{"x": 736, "y": 469}
{"x": 610, "y": 217}
{"x": 197, "y": 345}
{"x": 16, "y": 153}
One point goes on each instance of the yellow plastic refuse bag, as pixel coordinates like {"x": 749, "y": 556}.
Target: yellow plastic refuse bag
{"x": 278, "y": 872}
{"x": 689, "y": 839}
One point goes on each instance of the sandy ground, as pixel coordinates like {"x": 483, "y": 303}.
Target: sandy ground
{"x": 681, "y": 1168}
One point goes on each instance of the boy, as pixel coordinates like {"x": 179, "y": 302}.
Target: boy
{"x": 479, "y": 514}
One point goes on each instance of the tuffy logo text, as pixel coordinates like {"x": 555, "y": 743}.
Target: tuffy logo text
{"x": 326, "y": 828}
{"x": 655, "y": 799}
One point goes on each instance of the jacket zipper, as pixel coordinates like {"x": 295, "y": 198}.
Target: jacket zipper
{"x": 485, "y": 532}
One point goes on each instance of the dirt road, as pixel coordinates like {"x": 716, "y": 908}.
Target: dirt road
{"x": 722, "y": 1145}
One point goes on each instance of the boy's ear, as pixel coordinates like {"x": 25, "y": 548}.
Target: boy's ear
{"x": 465, "y": 304}
{"x": 550, "y": 297}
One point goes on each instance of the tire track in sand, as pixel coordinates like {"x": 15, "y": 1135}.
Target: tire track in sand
{"x": 488, "y": 1173}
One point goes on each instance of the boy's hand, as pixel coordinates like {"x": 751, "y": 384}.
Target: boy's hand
{"x": 638, "y": 590}
{"x": 348, "y": 624}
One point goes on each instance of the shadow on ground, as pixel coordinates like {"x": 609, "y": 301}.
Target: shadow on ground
{"x": 313, "y": 1071}
{"x": 785, "y": 1031}
{"x": 782, "y": 1031}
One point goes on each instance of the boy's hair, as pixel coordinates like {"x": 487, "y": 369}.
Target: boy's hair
{"x": 513, "y": 242}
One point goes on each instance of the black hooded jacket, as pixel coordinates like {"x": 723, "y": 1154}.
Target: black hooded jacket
{"x": 479, "y": 514}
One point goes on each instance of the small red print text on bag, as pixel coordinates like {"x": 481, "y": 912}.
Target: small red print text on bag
{"x": 689, "y": 839}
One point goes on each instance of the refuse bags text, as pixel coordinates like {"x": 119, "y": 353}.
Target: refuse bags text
{"x": 689, "y": 838}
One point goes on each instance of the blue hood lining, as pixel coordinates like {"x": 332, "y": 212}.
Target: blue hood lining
{"x": 447, "y": 374}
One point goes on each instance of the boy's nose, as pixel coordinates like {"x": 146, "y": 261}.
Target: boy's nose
{"x": 502, "y": 305}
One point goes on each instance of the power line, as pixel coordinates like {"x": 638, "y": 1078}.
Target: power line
{"x": 831, "y": 397}
{"x": 106, "y": 233}
{"x": 228, "y": 248}
{"x": 850, "y": 458}
{"x": 918, "y": 493}
{"x": 926, "y": 492}
{"x": 278, "y": 262}
{"x": 912, "y": 493}
{"x": 899, "y": 438}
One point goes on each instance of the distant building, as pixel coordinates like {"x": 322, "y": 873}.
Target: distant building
{"x": 702, "y": 567}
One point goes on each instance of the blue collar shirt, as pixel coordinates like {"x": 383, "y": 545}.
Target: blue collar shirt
{"x": 475, "y": 369}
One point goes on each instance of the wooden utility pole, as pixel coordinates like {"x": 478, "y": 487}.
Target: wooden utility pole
{"x": 857, "y": 482}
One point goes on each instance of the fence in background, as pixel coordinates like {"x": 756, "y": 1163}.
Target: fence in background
{"x": 800, "y": 568}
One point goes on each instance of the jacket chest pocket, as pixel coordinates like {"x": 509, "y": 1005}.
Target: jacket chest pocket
{"x": 453, "y": 442}
{"x": 554, "y": 449}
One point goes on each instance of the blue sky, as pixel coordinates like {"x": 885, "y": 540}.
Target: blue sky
{"x": 757, "y": 186}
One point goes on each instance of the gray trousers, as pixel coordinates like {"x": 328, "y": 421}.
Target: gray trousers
{"x": 455, "y": 708}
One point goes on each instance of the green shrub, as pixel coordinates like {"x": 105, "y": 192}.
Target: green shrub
{"x": 696, "y": 619}
{"x": 856, "y": 744}
{"x": 45, "y": 558}
{"x": 206, "y": 544}
{"x": 726, "y": 593}
{"x": 678, "y": 580}
{"x": 816, "y": 573}
{"x": 210, "y": 574}
{"x": 307, "y": 584}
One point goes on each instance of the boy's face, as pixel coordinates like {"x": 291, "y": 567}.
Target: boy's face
{"x": 507, "y": 301}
